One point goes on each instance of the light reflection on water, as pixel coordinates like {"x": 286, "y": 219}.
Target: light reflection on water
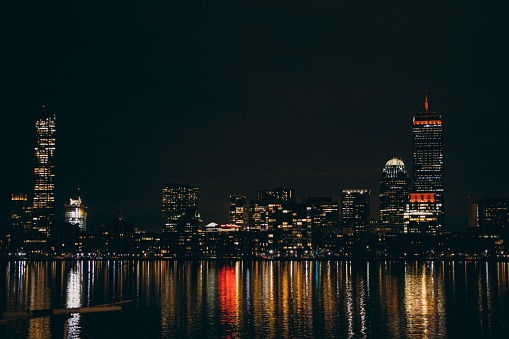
{"x": 261, "y": 299}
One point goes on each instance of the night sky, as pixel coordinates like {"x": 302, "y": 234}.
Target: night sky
{"x": 237, "y": 96}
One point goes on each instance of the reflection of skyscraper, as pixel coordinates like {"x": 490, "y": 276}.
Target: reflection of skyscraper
{"x": 355, "y": 209}
{"x": 394, "y": 189}
{"x": 76, "y": 213}
{"x": 44, "y": 171}
{"x": 180, "y": 208}
{"x": 428, "y": 158}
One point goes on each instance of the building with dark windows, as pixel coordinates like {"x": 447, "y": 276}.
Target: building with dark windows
{"x": 180, "y": 208}
{"x": 355, "y": 209}
{"x": 490, "y": 215}
{"x": 428, "y": 158}
{"x": 76, "y": 213}
{"x": 20, "y": 213}
{"x": 238, "y": 211}
{"x": 282, "y": 194}
{"x": 44, "y": 171}
{"x": 394, "y": 190}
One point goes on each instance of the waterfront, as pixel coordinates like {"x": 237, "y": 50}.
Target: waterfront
{"x": 260, "y": 298}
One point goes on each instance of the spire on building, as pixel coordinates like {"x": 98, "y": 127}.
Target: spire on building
{"x": 426, "y": 102}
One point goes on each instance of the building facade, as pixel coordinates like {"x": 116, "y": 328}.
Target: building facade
{"x": 76, "y": 213}
{"x": 355, "y": 204}
{"x": 490, "y": 215}
{"x": 394, "y": 190}
{"x": 423, "y": 214}
{"x": 428, "y": 158}
{"x": 282, "y": 194}
{"x": 44, "y": 172}
{"x": 238, "y": 214}
{"x": 20, "y": 214}
{"x": 180, "y": 208}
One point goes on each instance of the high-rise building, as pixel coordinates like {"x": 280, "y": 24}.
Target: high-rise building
{"x": 238, "y": 211}
{"x": 428, "y": 158}
{"x": 262, "y": 212}
{"x": 76, "y": 213}
{"x": 283, "y": 194}
{"x": 394, "y": 189}
{"x": 489, "y": 214}
{"x": 44, "y": 171}
{"x": 180, "y": 208}
{"x": 20, "y": 213}
{"x": 422, "y": 214}
{"x": 355, "y": 209}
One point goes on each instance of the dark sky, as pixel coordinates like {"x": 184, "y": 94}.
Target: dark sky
{"x": 236, "y": 96}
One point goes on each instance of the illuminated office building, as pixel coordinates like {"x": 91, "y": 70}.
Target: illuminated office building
{"x": 180, "y": 208}
{"x": 428, "y": 158}
{"x": 394, "y": 189}
{"x": 423, "y": 214}
{"x": 238, "y": 211}
{"x": 76, "y": 213}
{"x": 355, "y": 209}
{"x": 44, "y": 171}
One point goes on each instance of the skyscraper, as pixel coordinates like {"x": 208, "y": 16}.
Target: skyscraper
{"x": 180, "y": 208}
{"x": 355, "y": 209}
{"x": 428, "y": 158}
{"x": 44, "y": 172}
{"x": 76, "y": 213}
{"x": 394, "y": 189}
{"x": 282, "y": 194}
{"x": 238, "y": 211}
{"x": 20, "y": 213}
{"x": 422, "y": 214}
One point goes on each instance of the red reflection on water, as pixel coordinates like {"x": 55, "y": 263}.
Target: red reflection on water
{"x": 227, "y": 294}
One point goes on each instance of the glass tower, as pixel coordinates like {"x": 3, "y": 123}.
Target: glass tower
{"x": 44, "y": 172}
{"x": 428, "y": 158}
{"x": 394, "y": 189}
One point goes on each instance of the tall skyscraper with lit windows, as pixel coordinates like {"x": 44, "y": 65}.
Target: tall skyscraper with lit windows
{"x": 180, "y": 208}
{"x": 428, "y": 158}
{"x": 394, "y": 190}
{"x": 44, "y": 172}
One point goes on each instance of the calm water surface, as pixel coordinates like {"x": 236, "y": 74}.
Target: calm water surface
{"x": 209, "y": 299}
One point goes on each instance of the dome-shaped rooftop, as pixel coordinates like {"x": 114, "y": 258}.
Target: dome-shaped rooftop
{"x": 395, "y": 162}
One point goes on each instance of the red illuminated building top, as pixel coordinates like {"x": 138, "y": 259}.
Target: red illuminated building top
{"x": 422, "y": 197}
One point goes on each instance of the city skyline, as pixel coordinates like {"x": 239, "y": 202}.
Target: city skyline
{"x": 316, "y": 99}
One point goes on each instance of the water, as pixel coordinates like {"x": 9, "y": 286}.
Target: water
{"x": 236, "y": 299}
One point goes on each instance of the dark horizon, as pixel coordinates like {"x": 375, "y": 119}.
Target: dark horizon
{"x": 239, "y": 97}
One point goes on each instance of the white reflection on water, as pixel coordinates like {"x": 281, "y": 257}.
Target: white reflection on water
{"x": 73, "y": 299}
